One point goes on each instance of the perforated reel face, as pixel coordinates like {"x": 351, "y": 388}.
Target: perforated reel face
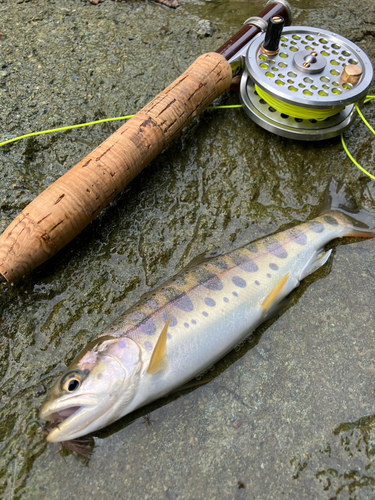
{"x": 286, "y": 77}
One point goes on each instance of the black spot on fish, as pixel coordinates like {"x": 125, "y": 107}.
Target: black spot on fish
{"x": 193, "y": 321}
{"x": 244, "y": 262}
{"x": 298, "y": 236}
{"x": 274, "y": 267}
{"x": 315, "y": 226}
{"x": 186, "y": 325}
{"x": 226, "y": 299}
{"x": 330, "y": 220}
{"x": 235, "y": 294}
{"x": 184, "y": 303}
{"x": 274, "y": 248}
{"x": 238, "y": 281}
{"x": 209, "y": 302}
{"x": 148, "y": 327}
{"x": 257, "y": 282}
{"x": 268, "y": 275}
{"x": 205, "y": 313}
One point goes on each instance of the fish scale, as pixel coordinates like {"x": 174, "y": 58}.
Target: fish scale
{"x": 187, "y": 324}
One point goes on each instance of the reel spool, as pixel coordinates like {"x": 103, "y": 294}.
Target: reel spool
{"x": 307, "y": 87}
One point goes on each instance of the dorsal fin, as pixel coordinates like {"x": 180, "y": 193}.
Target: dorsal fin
{"x": 271, "y": 297}
{"x": 158, "y": 358}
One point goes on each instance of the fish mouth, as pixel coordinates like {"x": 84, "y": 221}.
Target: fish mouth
{"x": 70, "y": 417}
{"x": 57, "y": 421}
{"x": 61, "y": 415}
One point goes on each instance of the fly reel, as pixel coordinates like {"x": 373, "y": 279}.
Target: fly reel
{"x": 302, "y": 83}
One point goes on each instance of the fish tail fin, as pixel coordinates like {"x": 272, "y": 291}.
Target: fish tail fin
{"x": 360, "y": 222}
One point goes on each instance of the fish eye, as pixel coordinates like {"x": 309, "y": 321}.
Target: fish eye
{"x": 71, "y": 381}
{"x": 72, "y": 385}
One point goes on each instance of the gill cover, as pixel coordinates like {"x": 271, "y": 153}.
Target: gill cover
{"x": 94, "y": 390}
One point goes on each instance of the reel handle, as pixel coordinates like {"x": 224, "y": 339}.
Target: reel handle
{"x": 65, "y": 208}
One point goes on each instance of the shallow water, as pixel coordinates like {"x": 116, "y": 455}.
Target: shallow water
{"x": 291, "y": 413}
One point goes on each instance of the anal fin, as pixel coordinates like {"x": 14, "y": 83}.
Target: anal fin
{"x": 315, "y": 262}
{"x": 272, "y": 296}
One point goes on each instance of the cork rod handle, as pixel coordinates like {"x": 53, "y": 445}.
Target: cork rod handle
{"x": 65, "y": 208}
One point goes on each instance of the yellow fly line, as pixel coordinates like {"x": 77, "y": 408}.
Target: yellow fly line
{"x": 285, "y": 110}
{"x": 61, "y": 129}
{"x": 368, "y": 98}
{"x": 296, "y": 111}
{"x": 80, "y": 125}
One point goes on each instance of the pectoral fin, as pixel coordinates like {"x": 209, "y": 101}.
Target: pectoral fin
{"x": 159, "y": 355}
{"x": 272, "y": 296}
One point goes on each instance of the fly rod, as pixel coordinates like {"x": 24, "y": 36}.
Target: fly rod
{"x": 68, "y": 205}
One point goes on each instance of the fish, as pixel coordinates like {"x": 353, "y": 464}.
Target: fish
{"x": 187, "y": 324}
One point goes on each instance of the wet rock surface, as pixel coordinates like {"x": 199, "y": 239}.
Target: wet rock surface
{"x": 290, "y": 413}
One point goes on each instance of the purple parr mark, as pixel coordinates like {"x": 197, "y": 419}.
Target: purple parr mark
{"x": 184, "y": 303}
{"x": 316, "y": 227}
{"x": 173, "y": 321}
{"x": 213, "y": 283}
{"x": 298, "y": 236}
{"x": 148, "y": 346}
{"x": 274, "y": 248}
{"x": 244, "y": 262}
{"x": 330, "y": 220}
{"x": 238, "y": 281}
{"x": 148, "y": 327}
